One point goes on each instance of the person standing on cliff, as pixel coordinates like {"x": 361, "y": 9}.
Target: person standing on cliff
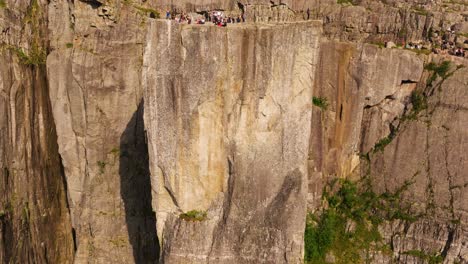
{"x": 168, "y": 14}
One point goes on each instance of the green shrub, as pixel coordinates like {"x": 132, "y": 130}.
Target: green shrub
{"x": 348, "y": 228}
{"x": 380, "y": 146}
{"x": 419, "y": 101}
{"x": 69, "y": 45}
{"x": 321, "y": 102}
{"x": 194, "y": 215}
{"x": 36, "y": 56}
{"x": 440, "y": 70}
{"x": 3, "y": 4}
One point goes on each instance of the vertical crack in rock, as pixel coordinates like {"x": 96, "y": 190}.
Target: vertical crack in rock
{"x": 167, "y": 186}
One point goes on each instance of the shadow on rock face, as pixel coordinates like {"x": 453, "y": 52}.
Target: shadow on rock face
{"x": 135, "y": 188}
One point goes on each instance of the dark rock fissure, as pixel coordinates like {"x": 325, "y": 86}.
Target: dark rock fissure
{"x": 93, "y": 3}
{"x": 407, "y": 81}
{"x": 135, "y": 188}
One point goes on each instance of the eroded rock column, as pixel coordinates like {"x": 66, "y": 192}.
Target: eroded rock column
{"x": 227, "y": 114}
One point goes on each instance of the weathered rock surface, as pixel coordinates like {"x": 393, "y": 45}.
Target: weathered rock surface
{"x": 354, "y": 79}
{"x": 226, "y": 134}
{"x": 94, "y": 74}
{"x": 34, "y": 218}
{"x": 369, "y": 90}
{"x": 230, "y": 126}
{"x": 430, "y": 152}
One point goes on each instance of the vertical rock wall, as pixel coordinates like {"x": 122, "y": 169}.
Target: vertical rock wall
{"x": 354, "y": 79}
{"x": 230, "y": 127}
{"x": 429, "y": 152}
{"x": 226, "y": 113}
{"x": 94, "y": 70}
{"x": 368, "y": 90}
{"x": 34, "y": 218}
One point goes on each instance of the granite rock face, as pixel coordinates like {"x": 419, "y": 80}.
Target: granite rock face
{"x": 226, "y": 135}
{"x": 355, "y": 79}
{"x": 114, "y": 123}
{"x": 94, "y": 72}
{"x": 369, "y": 91}
{"x": 430, "y": 152}
{"x": 34, "y": 218}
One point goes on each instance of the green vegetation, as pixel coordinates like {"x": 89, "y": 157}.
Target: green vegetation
{"x": 102, "y": 166}
{"x": 345, "y": 2}
{"x": 119, "y": 242}
{"x": 69, "y": 45}
{"x": 419, "y": 101}
{"x": 440, "y": 70}
{"x": 194, "y": 215}
{"x": 321, "y": 102}
{"x": 433, "y": 258}
{"x": 115, "y": 152}
{"x": 35, "y": 56}
{"x": 380, "y": 146}
{"x": 26, "y": 213}
{"x": 3, "y": 4}
{"x": 348, "y": 228}
{"x": 379, "y": 44}
{"x": 421, "y": 51}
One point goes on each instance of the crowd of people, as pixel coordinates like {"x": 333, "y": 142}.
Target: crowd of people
{"x": 446, "y": 47}
{"x": 449, "y": 47}
{"x": 218, "y": 18}
{"x": 449, "y": 42}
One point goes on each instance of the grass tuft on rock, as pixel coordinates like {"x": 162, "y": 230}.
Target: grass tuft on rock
{"x": 345, "y": 2}
{"x": 321, "y": 102}
{"x": 194, "y": 216}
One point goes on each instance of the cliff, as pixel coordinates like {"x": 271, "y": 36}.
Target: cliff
{"x": 34, "y": 218}
{"x": 129, "y": 139}
{"x": 226, "y": 135}
{"x": 389, "y": 124}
